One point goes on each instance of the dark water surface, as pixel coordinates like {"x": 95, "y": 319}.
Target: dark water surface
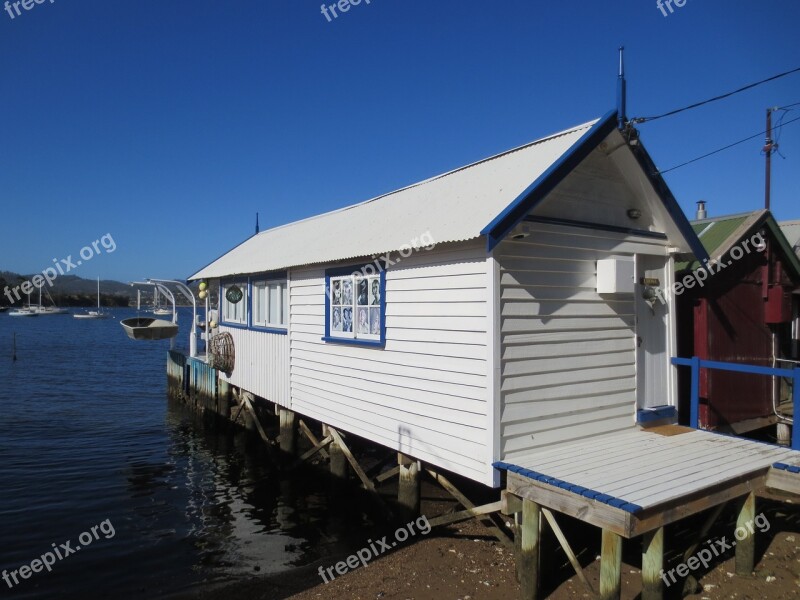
{"x": 87, "y": 436}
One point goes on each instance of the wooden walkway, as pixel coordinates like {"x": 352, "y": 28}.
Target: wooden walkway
{"x": 635, "y": 481}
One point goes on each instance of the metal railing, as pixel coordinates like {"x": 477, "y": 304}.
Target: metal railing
{"x": 696, "y": 364}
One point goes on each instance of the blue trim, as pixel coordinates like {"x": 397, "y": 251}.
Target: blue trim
{"x": 276, "y": 330}
{"x": 547, "y": 181}
{"x": 355, "y": 270}
{"x": 784, "y": 467}
{"x": 696, "y": 364}
{"x": 619, "y": 503}
{"x": 657, "y": 413}
{"x": 598, "y": 226}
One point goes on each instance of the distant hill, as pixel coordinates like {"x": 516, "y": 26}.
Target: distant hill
{"x": 70, "y": 290}
{"x": 67, "y": 290}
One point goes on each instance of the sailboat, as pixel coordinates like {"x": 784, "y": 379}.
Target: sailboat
{"x": 25, "y": 311}
{"x": 94, "y": 314}
{"x": 157, "y": 308}
{"x": 48, "y": 310}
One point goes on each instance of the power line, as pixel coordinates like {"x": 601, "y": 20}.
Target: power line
{"x": 747, "y": 139}
{"x": 696, "y": 104}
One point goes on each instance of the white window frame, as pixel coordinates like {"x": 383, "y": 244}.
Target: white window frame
{"x": 239, "y": 306}
{"x": 261, "y": 292}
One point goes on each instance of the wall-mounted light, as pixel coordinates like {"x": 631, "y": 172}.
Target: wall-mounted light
{"x": 634, "y": 213}
{"x": 520, "y": 232}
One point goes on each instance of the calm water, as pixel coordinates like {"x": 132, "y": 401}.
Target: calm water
{"x": 87, "y": 435}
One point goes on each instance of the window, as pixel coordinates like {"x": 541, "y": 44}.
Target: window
{"x": 233, "y": 310}
{"x": 355, "y": 306}
{"x": 270, "y": 304}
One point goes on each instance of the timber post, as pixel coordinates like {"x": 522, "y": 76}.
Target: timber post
{"x": 338, "y": 461}
{"x": 652, "y": 564}
{"x": 409, "y": 486}
{"x": 610, "y": 566}
{"x": 288, "y": 431}
{"x": 530, "y": 545}
{"x": 746, "y": 547}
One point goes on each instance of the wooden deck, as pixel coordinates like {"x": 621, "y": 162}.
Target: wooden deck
{"x": 642, "y": 479}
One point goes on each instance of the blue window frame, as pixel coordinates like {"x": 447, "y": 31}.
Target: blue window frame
{"x": 355, "y": 306}
{"x": 234, "y": 314}
{"x": 264, "y": 305}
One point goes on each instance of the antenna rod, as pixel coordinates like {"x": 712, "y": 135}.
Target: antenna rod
{"x": 256, "y": 222}
{"x": 622, "y": 91}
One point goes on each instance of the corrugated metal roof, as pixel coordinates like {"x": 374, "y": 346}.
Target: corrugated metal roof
{"x": 451, "y": 207}
{"x": 791, "y": 229}
{"x": 718, "y": 234}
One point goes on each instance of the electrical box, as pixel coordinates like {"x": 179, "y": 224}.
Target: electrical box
{"x": 615, "y": 276}
{"x": 778, "y": 307}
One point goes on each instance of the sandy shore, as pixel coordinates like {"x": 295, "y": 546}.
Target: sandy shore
{"x": 465, "y": 562}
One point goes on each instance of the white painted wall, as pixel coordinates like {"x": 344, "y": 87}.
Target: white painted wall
{"x": 568, "y": 360}
{"x": 262, "y": 363}
{"x": 426, "y": 392}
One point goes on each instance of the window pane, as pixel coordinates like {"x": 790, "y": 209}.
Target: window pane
{"x": 285, "y": 311}
{"x": 274, "y": 290}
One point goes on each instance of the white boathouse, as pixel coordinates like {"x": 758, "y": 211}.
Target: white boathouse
{"x": 509, "y": 305}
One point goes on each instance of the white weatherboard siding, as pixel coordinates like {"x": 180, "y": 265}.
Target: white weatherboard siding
{"x": 425, "y": 393}
{"x": 262, "y": 363}
{"x": 568, "y": 360}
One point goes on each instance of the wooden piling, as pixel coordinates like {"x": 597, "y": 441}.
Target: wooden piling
{"x": 653, "y": 564}
{"x": 529, "y": 550}
{"x": 338, "y": 460}
{"x": 746, "y": 537}
{"x": 610, "y": 566}
{"x": 288, "y": 431}
{"x": 409, "y": 486}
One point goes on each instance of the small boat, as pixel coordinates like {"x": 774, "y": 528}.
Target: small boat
{"x": 94, "y": 314}
{"x": 158, "y": 309}
{"x": 148, "y": 328}
{"x": 48, "y": 310}
{"x": 24, "y": 312}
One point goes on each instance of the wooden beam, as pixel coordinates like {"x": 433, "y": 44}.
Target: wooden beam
{"x": 783, "y": 481}
{"x": 409, "y": 485}
{"x": 319, "y": 447}
{"x": 529, "y": 550}
{"x": 653, "y": 564}
{"x": 746, "y": 541}
{"x": 465, "y": 514}
{"x": 610, "y": 566}
{"x": 511, "y": 504}
{"x": 466, "y": 503}
{"x": 562, "y": 539}
{"x": 387, "y": 474}
{"x": 311, "y": 437}
{"x": 366, "y": 481}
{"x": 256, "y": 422}
{"x": 288, "y": 431}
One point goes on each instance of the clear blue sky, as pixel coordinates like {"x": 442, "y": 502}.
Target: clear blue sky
{"x": 170, "y": 123}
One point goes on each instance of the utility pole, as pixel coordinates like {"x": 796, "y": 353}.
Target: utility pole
{"x": 769, "y": 147}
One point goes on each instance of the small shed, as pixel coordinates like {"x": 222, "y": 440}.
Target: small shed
{"x": 740, "y": 310}
{"x": 510, "y": 305}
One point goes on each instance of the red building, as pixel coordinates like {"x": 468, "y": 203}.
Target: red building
{"x": 739, "y": 308}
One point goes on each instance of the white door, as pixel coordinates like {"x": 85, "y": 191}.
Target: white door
{"x": 653, "y": 322}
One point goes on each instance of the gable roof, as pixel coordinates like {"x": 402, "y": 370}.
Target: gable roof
{"x": 452, "y": 207}
{"x": 720, "y": 234}
{"x": 791, "y": 229}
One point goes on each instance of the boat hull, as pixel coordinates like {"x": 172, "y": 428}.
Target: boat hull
{"x": 147, "y": 328}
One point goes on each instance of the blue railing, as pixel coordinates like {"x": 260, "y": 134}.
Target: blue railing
{"x": 696, "y": 364}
